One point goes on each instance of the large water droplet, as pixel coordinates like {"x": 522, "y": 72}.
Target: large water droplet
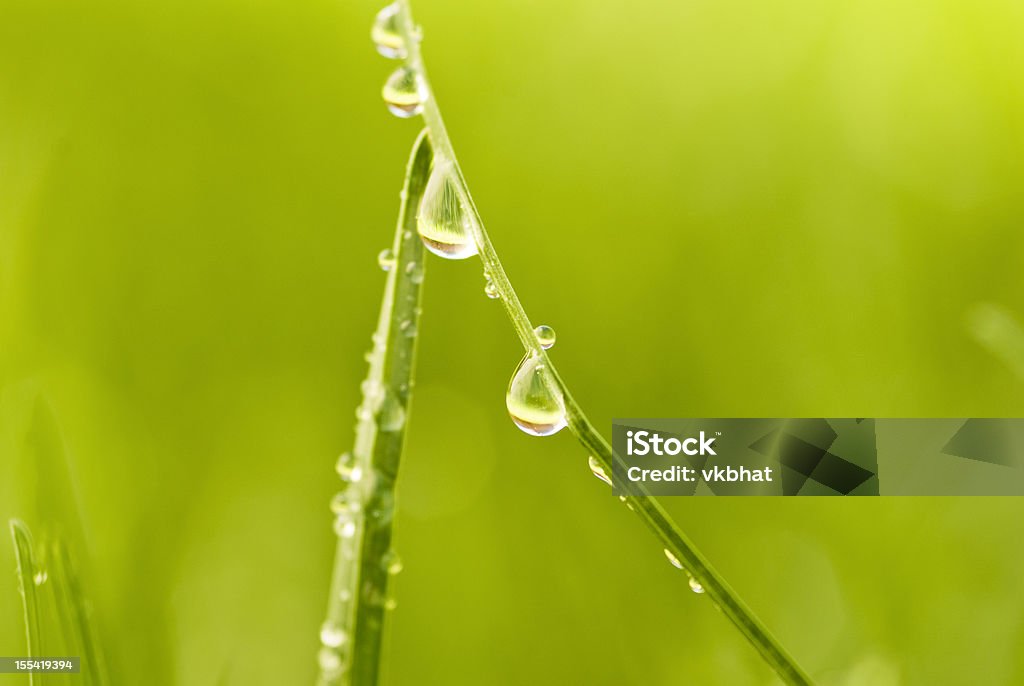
{"x": 532, "y": 406}
{"x": 441, "y": 222}
{"x": 385, "y": 33}
{"x": 332, "y": 635}
{"x": 386, "y": 259}
{"x": 598, "y": 470}
{"x": 545, "y": 336}
{"x": 404, "y": 92}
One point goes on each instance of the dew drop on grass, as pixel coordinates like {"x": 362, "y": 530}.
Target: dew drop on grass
{"x": 392, "y": 414}
{"x": 344, "y": 525}
{"x": 347, "y": 469}
{"x": 598, "y": 470}
{"x": 545, "y": 336}
{"x": 40, "y": 578}
{"x": 392, "y": 563}
{"x": 441, "y": 222}
{"x": 404, "y": 92}
{"x": 695, "y": 586}
{"x": 415, "y": 271}
{"x": 673, "y": 559}
{"x": 385, "y": 33}
{"x": 329, "y": 661}
{"x": 532, "y": 406}
{"x": 490, "y": 290}
{"x": 332, "y": 635}
{"x": 390, "y": 604}
{"x": 386, "y": 259}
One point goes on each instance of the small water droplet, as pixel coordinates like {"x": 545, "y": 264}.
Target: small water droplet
{"x": 390, "y": 604}
{"x": 392, "y": 414}
{"x": 40, "y": 578}
{"x": 532, "y": 406}
{"x": 695, "y": 586}
{"x": 598, "y": 470}
{"x": 332, "y": 635}
{"x": 545, "y": 336}
{"x": 344, "y": 525}
{"x": 404, "y": 92}
{"x": 392, "y": 563}
{"x": 386, "y": 259}
{"x": 673, "y": 559}
{"x": 330, "y": 661}
{"x": 385, "y": 33}
{"x": 491, "y": 291}
{"x": 345, "y": 504}
{"x": 347, "y": 469}
{"x": 441, "y": 222}
{"x": 344, "y": 595}
{"x": 415, "y": 271}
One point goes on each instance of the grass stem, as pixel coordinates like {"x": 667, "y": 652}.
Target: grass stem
{"x": 644, "y": 505}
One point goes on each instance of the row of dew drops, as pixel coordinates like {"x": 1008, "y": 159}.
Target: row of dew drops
{"x": 445, "y": 229}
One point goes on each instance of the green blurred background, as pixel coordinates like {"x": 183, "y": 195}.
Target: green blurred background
{"x": 729, "y": 208}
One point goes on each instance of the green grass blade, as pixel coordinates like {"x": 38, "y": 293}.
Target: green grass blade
{"x": 27, "y": 571}
{"x": 75, "y": 613}
{"x": 642, "y": 503}
{"x": 353, "y": 633}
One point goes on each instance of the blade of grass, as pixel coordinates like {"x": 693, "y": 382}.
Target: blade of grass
{"x": 645, "y": 506}
{"x": 353, "y": 633}
{"x": 27, "y": 571}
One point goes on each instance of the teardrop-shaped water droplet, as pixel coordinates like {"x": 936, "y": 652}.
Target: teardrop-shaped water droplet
{"x": 491, "y": 291}
{"x": 598, "y": 470}
{"x": 673, "y": 559}
{"x": 385, "y": 33}
{"x": 545, "y": 336}
{"x": 531, "y": 404}
{"x": 332, "y": 635}
{"x": 441, "y": 222}
{"x": 695, "y": 586}
{"x": 404, "y": 92}
{"x": 386, "y": 259}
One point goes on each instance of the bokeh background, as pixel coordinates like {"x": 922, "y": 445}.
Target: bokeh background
{"x": 728, "y": 208}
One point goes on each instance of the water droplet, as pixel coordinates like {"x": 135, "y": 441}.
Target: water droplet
{"x": 329, "y": 660}
{"x": 343, "y": 503}
{"x": 545, "y": 336}
{"x": 598, "y": 470}
{"x": 344, "y": 525}
{"x": 40, "y": 578}
{"x": 392, "y": 414}
{"x": 344, "y": 595}
{"x": 441, "y": 222}
{"x": 332, "y": 635}
{"x": 386, "y": 259}
{"x": 532, "y": 406}
{"x": 673, "y": 559}
{"x": 347, "y": 469}
{"x": 404, "y": 92}
{"x": 385, "y": 33}
{"x": 392, "y": 563}
{"x": 390, "y": 604}
{"x": 491, "y": 291}
{"x": 695, "y": 586}
{"x": 415, "y": 272}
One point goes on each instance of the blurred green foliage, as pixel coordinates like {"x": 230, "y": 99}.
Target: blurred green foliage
{"x": 728, "y": 208}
